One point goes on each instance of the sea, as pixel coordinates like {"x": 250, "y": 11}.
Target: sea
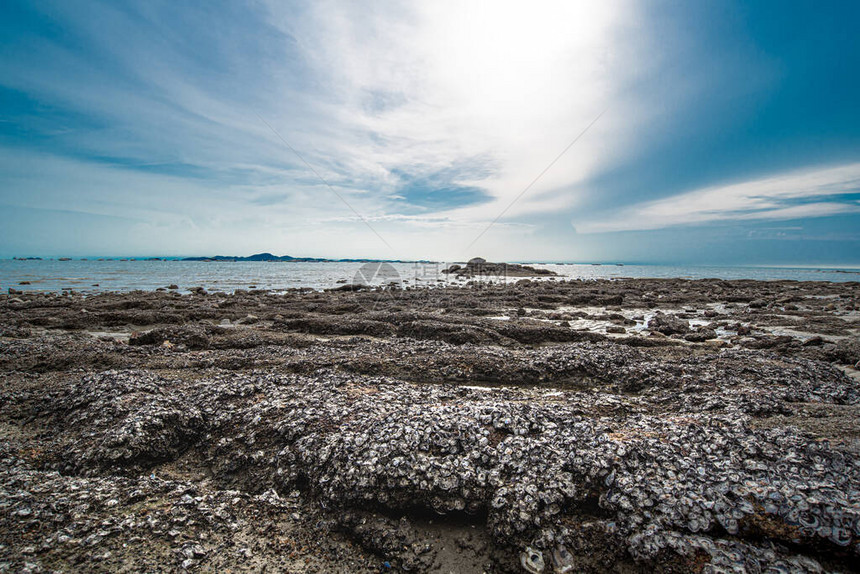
{"x": 95, "y": 276}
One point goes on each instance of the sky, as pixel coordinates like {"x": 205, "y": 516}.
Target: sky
{"x": 709, "y": 132}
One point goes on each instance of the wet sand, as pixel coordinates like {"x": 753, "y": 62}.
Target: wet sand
{"x": 557, "y": 426}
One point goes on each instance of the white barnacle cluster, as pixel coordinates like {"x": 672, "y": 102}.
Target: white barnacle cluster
{"x": 639, "y": 485}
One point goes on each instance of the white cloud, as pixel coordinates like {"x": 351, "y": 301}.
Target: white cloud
{"x": 493, "y": 89}
{"x": 791, "y": 195}
{"x": 502, "y": 82}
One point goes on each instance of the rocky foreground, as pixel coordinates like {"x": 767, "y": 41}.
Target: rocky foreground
{"x": 601, "y": 426}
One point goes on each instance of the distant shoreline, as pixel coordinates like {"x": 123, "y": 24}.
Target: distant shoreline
{"x": 269, "y": 258}
{"x": 259, "y": 257}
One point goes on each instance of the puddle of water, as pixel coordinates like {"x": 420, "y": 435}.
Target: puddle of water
{"x": 642, "y": 316}
{"x": 850, "y": 371}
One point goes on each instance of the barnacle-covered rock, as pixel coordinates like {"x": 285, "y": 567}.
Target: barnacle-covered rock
{"x": 481, "y": 409}
{"x": 535, "y": 461}
{"x": 194, "y": 337}
{"x": 668, "y": 324}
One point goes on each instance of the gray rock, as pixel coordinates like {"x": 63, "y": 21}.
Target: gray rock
{"x": 668, "y": 324}
{"x": 700, "y": 335}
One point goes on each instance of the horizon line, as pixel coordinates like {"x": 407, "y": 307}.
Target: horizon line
{"x": 317, "y": 259}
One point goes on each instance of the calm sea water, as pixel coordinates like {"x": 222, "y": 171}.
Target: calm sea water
{"x": 95, "y": 276}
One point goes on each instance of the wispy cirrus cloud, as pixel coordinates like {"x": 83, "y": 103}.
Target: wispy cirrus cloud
{"x": 403, "y": 108}
{"x": 418, "y": 90}
{"x": 794, "y": 195}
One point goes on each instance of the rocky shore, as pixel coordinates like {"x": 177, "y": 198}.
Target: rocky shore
{"x": 542, "y": 426}
{"x": 480, "y": 267}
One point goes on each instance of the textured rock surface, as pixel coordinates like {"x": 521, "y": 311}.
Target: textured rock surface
{"x": 668, "y": 324}
{"x": 444, "y": 431}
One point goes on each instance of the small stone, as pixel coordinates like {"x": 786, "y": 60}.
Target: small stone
{"x": 701, "y": 335}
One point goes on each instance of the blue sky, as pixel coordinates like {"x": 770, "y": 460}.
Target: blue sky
{"x": 730, "y": 131}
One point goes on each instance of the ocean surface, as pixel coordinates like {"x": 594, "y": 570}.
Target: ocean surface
{"x": 91, "y": 276}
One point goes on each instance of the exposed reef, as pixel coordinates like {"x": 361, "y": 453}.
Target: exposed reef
{"x": 553, "y": 426}
{"x": 480, "y": 267}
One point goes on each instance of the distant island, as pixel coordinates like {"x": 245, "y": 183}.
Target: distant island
{"x": 288, "y": 258}
{"x": 231, "y": 258}
{"x": 478, "y": 266}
